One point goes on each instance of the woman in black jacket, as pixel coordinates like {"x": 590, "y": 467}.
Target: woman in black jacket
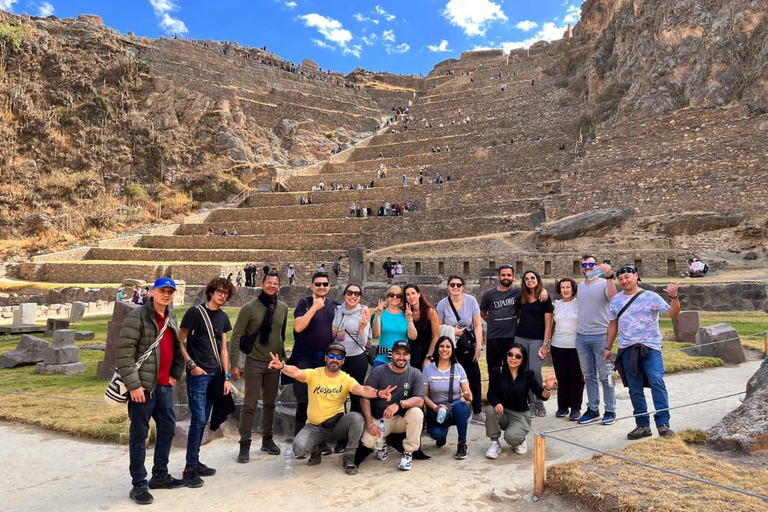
{"x": 508, "y": 408}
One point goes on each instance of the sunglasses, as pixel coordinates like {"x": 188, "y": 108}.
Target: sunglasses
{"x": 353, "y": 293}
{"x": 394, "y": 295}
{"x": 530, "y": 278}
{"x": 335, "y": 356}
{"x": 322, "y": 285}
{"x": 455, "y": 285}
{"x": 514, "y": 355}
{"x": 587, "y": 265}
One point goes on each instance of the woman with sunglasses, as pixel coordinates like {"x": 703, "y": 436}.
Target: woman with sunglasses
{"x": 468, "y": 318}
{"x": 533, "y": 327}
{"x": 392, "y": 323}
{"x": 427, "y": 326}
{"x": 508, "y": 389}
{"x": 446, "y": 387}
{"x": 352, "y": 328}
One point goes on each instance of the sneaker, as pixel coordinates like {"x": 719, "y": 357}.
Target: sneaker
{"x": 541, "y": 411}
{"x": 575, "y": 414}
{"x": 315, "y": 457}
{"x": 561, "y": 413}
{"x": 204, "y": 470}
{"x": 589, "y": 416}
{"x": 406, "y": 461}
{"x": 639, "y": 432}
{"x": 383, "y": 454}
{"x": 341, "y": 446}
{"x": 609, "y": 418}
{"x": 268, "y": 445}
{"x": 522, "y": 448}
{"x": 348, "y": 463}
{"x": 479, "y": 418}
{"x": 665, "y": 431}
{"x": 192, "y": 479}
{"x": 461, "y": 451}
{"x": 494, "y": 450}
{"x": 440, "y": 442}
{"x": 327, "y": 450}
{"x": 141, "y": 496}
{"x": 166, "y": 482}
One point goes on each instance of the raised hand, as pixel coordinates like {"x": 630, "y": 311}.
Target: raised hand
{"x": 408, "y": 313}
{"x": 365, "y": 318}
{"x": 275, "y": 363}
{"x": 672, "y": 290}
{"x": 380, "y": 307}
{"x": 386, "y": 393}
{"x": 318, "y": 303}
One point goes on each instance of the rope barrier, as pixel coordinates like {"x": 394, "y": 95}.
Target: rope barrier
{"x": 4, "y": 392}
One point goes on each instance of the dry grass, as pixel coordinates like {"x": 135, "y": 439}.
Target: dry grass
{"x": 606, "y": 483}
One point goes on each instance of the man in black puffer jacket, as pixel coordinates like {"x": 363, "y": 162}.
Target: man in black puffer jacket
{"x": 150, "y": 386}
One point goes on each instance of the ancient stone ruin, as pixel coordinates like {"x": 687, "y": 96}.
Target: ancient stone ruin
{"x": 29, "y": 351}
{"x": 745, "y": 429}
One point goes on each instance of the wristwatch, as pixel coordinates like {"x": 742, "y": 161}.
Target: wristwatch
{"x": 227, "y": 376}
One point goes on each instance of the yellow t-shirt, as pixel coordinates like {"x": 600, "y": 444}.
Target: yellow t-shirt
{"x": 326, "y": 395}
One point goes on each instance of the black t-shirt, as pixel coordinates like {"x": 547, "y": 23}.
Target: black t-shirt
{"x": 531, "y": 324}
{"x": 502, "y": 311}
{"x": 317, "y": 335}
{"x": 198, "y": 343}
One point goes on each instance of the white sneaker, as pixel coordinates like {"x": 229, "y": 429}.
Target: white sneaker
{"x": 494, "y": 450}
{"x": 522, "y": 448}
{"x": 478, "y": 418}
{"x": 405, "y": 462}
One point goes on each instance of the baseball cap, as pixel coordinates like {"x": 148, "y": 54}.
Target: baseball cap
{"x": 401, "y": 344}
{"x": 165, "y": 282}
{"x": 336, "y": 346}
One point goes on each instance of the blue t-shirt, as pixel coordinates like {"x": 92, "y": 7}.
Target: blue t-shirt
{"x": 393, "y": 328}
{"x": 640, "y": 322}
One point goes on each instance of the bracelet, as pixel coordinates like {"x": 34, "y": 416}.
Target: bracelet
{"x": 191, "y": 365}
{"x": 282, "y": 367}
{"x": 377, "y": 393}
{"x": 608, "y": 349}
{"x": 675, "y": 297}
{"x": 548, "y": 390}
{"x": 609, "y": 277}
{"x": 227, "y": 375}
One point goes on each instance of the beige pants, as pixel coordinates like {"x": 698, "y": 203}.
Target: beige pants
{"x": 412, "y": 424}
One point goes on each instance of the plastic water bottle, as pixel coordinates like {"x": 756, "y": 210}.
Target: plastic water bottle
{"x": 288, "y": 462}
{"x": 442, "y": 412}
{"x": 379, "y": 445}
{"x": 595, "y": 273}
{"x": 611, "y": 377}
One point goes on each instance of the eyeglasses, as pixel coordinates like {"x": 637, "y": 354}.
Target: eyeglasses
{"x": 322, "y": 285}
{"x": 333, "y": 356}
{"x": 353, "y": 293}
{"x": 221, "y": 292}
{"x": 530, "y": 278}
{"x": 394, "y": 295}
{"x": 514, "y": 355}
{"x": 455, "y": 285}
{"x": 588, "y": 265}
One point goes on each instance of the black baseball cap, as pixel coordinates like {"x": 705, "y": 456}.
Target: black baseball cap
{"x": 336, "y": 346}
{"x": 402, "y": 344}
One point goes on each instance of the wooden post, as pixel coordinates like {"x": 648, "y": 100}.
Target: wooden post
{"x": 539, "y": 459}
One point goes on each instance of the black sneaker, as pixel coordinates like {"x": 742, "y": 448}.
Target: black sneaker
{"x": 341, "y": 446}
{"x": 639, "y": 433}
{"x": 461, "y": 451}
{"x": 440, "y": 442}
{"x": 166, "y": 482}
{"x": 204, "y": 470}
{"x": 141, "y": 495}
{"x": 665, "y": 431}
{"x": 561, "y": 413}
{"x": 315, "y": 457}
{"x": 192, "y": 479}
{"x": 575, "y": 414}
{"x": 327, "y": 450}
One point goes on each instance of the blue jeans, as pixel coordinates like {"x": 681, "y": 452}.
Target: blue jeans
{"x": 200, "y": 405}
{"x": 653, "y": 367}
{"x": 591, "y": 350}
{"x": 159, "y": 405}
{"x": 458, "y": 416}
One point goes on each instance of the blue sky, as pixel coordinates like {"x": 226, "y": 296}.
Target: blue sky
{"x": 399, "y": 36}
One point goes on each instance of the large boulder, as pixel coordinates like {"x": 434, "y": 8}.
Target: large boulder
{"x": 745, "y": 429}
{"x": 693, "y": 223}
{"x": 722, "y": 341}
{"x": 596, "y": 222}
{"x": 29, "y": 351}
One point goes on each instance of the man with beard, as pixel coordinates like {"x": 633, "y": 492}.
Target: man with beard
{"x": 265, "y": 319}
{"x": 403, "y": 412}
{"x": 499, "y": 307}
{"x": 329, "y": 388}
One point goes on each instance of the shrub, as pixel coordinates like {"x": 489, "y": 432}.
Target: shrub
{"x": 135, "y": 193}
{"x": 175, "y": 203}
{"x": 608, "y": 100}
{"x": 11, "y": 39}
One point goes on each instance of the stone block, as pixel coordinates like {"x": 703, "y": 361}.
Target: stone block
{"x": 106, "y": 368}
{"x": 92, "y": 307}
{"x": 63, "y": 338}
{"x": 65, "y": 355}
{"x": 60, "y": 369}
{"x": 357, "y": 270}
{"x": 54, "y": 324}
{"x": 686, "y": 326}
{"x": 77, "y": 312}
{"x": 29, "y": 351}
{"x": 26, "y": 314}
{"x": 722, "y": 341}
{"x": 84, "y": 335}
{"x": 182, "y": 431}
{"x": 745, "y": 429}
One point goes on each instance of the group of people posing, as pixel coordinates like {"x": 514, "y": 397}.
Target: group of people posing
{"x": 425, "y": 369}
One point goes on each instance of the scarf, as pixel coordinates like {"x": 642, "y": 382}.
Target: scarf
{"x": 266, "y": 326}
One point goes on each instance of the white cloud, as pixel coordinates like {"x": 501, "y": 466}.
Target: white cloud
{"x": 359, "y": 17}
{"x": 473, "y": 15}
{"x": 45, "y": 9}
{"x": 321, "y": 44}
{"x": 527, "y": 25}
{"x": 6, "y": 5}
{"x": 355, "y": 50}
{"x": 290, "y": 5}
{"x": 442, "y": 47}
{"x": 381, "y": 12}
{"x": 168, "y": 23}
{"x": 572, "y": 15}
{"x": 369, "y": 40}
{"x": 388, "y": 35}
{"x": 549, "y": 32}
{"x": 331, "y": 29}
{"x": 401, "y": 48}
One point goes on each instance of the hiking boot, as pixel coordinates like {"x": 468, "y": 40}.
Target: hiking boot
{"x": 479, "y": 418}
{"x": 341, "y": 446}
{"x": 348, "y": 463}
{"x": 609, "y": 418}
{"x": 204, "y": 470}
{"x": 589, "y": 416}
{"x": 541, "y": 411}
{"x": 461, "y": 451}
{"x": 192, "y": 479}
{"x": 166, "y": 482}
{"x": 522, "y": 448}
{"x": 494, "y": 450}
{"x": 268, "y": 445}
{"x": 440, "y": 442}
{"x": 665, "y": 431}
{"x": 315, "y": 457}
{"x": 561, "y": 413}
{"x": 141, "y": 496}
{"x": 244, "y": 455}
{"x": 574, "y": 416}
{"x": 406, "y": 461}
{"x": 327, "y": 450}
{"x": 639, "y": 433}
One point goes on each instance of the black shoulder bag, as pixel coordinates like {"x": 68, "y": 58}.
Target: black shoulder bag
{"x": 465, "y": 345}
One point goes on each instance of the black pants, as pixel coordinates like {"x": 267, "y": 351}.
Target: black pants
{"x": 356, "y": 367}
{"x": 473, "y": 376}
{"x": 496, "y": 352}
{"x": 570, "y": 382}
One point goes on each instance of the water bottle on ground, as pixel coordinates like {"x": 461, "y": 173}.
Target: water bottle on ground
{"x": 595, "y": 273}
{"x": 288, "y": 462}
{"x": 442, "y": 412}
{"x": 611, "y": 377}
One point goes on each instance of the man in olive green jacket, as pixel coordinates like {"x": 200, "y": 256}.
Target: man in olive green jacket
{"x": 265, "y": 319}
{"x": 150, "y": 386}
